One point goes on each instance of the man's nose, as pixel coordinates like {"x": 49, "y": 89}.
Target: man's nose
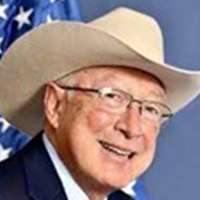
{"x": 130, "y": 122}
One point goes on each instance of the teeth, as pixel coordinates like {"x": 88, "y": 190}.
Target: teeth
{"x": 117, "y": 150}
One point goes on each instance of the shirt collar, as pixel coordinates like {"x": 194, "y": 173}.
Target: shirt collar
{"x": 71, "y": 188}
{"x": 129, "y": 189}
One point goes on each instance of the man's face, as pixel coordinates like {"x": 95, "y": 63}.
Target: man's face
{"x": 94, "y": 142}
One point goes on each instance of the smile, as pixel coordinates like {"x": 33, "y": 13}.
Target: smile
{"x": 119, "y": 151}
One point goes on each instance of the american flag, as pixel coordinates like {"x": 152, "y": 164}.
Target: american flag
{"x": 16, "y": 18}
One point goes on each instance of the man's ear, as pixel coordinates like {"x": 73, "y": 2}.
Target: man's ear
{"x": 53, "y": 100}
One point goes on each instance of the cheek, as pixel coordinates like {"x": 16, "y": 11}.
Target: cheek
{"x": 98, "y": 120}
{"x": 150, "y": 141}
{"x": 151, "y": 134}
{"x": 144, "y": 160}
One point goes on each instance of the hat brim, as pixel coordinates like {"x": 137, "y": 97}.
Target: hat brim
{"x": 52, "y": 50}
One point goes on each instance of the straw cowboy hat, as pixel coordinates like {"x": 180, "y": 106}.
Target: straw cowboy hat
{"x": 122, "y": 37}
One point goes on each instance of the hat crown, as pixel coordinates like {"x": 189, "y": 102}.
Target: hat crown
{"x": 139, "y": 31}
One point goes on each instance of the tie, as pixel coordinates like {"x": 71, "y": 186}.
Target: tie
{"x": 119, "y": 195}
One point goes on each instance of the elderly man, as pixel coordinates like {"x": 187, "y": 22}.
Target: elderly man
{"x": 100, "y": 93}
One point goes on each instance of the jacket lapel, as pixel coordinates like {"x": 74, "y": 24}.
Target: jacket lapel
{"x": 42, "y": 180}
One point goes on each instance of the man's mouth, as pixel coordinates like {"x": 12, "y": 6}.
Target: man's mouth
{"x": 119, "y": 151}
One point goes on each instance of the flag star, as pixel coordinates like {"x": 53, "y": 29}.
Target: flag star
{"x": 2, "y": 11}
{"x": 4, "y": 153}
{"x": 52, "y": 1}
{"x": 23, "y": 17}
{"x": 50, "y": 20}
{"x": 4, "y": 124}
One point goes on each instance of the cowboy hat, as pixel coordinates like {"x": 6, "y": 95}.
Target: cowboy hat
{"x": 122, "y": 37}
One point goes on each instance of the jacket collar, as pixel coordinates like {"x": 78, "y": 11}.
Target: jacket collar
{"x": 42, "y": 181}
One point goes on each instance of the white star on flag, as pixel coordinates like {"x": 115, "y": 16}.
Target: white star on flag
{"x": 52, "y": 1}
{"x": 4, "y": 153}
{"x": 4, "y": 124}
{"x": 50, "y": 20}
{"x": 23, "y": 17}
{"x": 2, "y": 11}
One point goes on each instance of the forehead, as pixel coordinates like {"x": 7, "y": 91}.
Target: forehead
{"x": 112, "y": 71}
{"x": 121, "y": 77}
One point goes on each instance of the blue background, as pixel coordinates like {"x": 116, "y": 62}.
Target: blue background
{"x": 175, "y": 173}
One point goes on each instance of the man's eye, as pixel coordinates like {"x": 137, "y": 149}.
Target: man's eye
{"x": 112, "y": 98}
{"x": 153, "y": 110}
{"x": 112, "y": 95}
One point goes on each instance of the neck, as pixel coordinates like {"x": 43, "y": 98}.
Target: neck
{"x": 93, "y": 189}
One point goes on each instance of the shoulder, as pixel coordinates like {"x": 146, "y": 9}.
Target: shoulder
{"x": 13, "y": 173}
{"x": 12, "y": 177}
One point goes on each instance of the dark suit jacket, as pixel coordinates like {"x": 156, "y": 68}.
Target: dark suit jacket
{"x": 30, "y": 175}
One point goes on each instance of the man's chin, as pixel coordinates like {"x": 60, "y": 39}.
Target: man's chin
{"x": 117, "y": 184}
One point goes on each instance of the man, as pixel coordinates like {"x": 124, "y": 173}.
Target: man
{"x": 100, "y": 93}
